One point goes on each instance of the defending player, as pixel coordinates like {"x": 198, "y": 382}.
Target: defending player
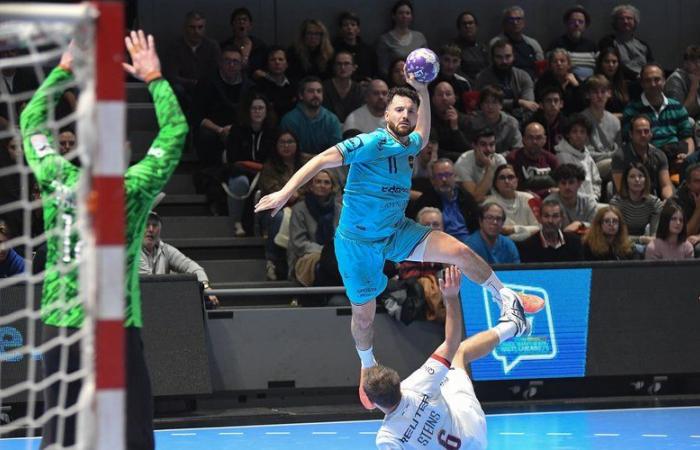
{"x": 373, "y": 227}
{"x": 435, "y": 407}
{"x": 61, "y": 311}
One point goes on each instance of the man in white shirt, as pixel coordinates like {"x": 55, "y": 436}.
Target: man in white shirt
{"x": 475, "y": 168}
{"x": 369, "y": 116}
{"x": 436, "y": 407}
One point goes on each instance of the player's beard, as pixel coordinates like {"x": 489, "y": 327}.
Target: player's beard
{"x": 394, "y": 128}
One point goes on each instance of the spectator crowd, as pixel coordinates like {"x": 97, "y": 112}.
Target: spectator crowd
{"x": 573, "y": 151}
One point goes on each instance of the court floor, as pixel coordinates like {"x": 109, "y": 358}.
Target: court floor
{"x": 616, "y": 429}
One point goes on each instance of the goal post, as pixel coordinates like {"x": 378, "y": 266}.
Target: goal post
{"x": 89, "y": 224}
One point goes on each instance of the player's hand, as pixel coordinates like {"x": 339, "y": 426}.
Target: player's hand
{"x": 274, "y": 202}
{"x": 145, "y": 64}
{"x": 450, "y": 283}
{"x": 66, "y": 61}
{"x": 415, "y": 84}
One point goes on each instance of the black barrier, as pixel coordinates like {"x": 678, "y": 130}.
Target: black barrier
{"x": 173, "y": 335}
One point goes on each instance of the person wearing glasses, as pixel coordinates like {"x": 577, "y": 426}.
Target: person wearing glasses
{"x": 526, "y": 49}
{"x": 475, "y": 55}
{"x": 521, "y": 222}
{"x": 489, "y": 242}
{"x": 341, "y": 94}
{"x": 581, "y": 49}
{"x": 607, "y": 239}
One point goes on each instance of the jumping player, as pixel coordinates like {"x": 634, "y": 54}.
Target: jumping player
{"x": 61, "y": 311}
{"x": 373, "y": 227}
{"x": 435, "y": 407}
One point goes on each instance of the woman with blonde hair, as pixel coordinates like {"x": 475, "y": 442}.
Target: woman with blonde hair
{"x": 311, "y": 53}
{"x": 607, "y": 239}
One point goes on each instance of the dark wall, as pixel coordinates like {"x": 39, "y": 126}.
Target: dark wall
{"x": 667, "y": 25}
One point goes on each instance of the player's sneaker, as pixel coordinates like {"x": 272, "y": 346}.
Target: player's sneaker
{"x": 366, "y": 402}
{"x": 532, "y": 304}
{"x": 513, "y": 312}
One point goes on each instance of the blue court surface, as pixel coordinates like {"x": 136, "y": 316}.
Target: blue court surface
{"x": 618, "y": 429}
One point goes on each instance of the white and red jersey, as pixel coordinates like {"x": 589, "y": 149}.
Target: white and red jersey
{"x": 430, "y": 417}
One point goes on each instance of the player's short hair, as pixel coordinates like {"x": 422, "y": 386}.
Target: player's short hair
{"x": 402, "y": 91}
{"x": 569, "y": 171}
{"x": 383, "y": 386}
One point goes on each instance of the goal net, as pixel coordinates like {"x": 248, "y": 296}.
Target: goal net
{"x": 47, "y": 224}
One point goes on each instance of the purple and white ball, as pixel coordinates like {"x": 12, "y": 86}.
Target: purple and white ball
{"x": 423, "y": 63}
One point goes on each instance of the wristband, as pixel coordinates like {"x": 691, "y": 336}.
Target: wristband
{"x": 150, "y": 76}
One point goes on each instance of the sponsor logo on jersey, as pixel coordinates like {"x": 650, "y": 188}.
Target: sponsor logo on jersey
{"x": 395, "y": 189}
{"x": 156, "y": 152}
{"x": 41, "y": 145}
{"x": 353, "y": 144}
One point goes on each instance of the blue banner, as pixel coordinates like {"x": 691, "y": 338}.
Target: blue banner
{"x": 557, "y": 345}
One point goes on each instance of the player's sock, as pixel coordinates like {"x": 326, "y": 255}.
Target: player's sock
{"x": 494, "y": 285}
{"x": 366, "y": 357}
{"x": 505, "y": 330}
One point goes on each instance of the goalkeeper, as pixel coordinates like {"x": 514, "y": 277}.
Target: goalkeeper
{"x": 62, "y": 313}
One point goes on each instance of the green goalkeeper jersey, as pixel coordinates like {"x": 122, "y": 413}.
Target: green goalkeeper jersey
{"x": 58, "y": 182}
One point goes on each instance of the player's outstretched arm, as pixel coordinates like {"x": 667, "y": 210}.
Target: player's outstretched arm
{"x": 327, "y": 159}
{"x": 145, "y": 64}
{"x": 449, "y": 287}
{"x": 423, "y": 121}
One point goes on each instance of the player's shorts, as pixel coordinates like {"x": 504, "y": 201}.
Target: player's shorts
{"x": 361, "y": 263}
{"x": 458, "y": 392}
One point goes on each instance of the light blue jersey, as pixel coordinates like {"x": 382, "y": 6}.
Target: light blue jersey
{"x": 378, "y": 185}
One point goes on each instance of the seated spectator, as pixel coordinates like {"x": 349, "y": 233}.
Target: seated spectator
{"x": 559, "y": 74}
{"x": 450, "y": 55}
{"x": 640, "y": 209}
{"x": 607, "y": 238}
{"x": 475, "y": 55}
{"x": 396, "y": 77}
{"x": 216, "y": 106}
{"x": 311, "y": 54}
{"x": 640, "y": 150}
{"x": 551, "y": 244}
{"x": 448, "y": 124}
{"x": 273, "y": 81}
{"x": 608, "y": 64}
{"x": 532, "y": 163}
{"x": 401, "y": 39}
{"x": 312, "y": 226}
{"x": 66, "y": 141}
{"x": 420, "y": 180}
{"x": 370, "y": 116}
{"x": 316, "y": 127}
{"x": 682, "y": 84}
{"x": 18, "y": 80}
{"x": 459, "y": 209}
{"x": 688, "y": 197}
{"x": 349, "y": 40}
{"x": 581, "y": 49}
{"x": 578, "y": 209}
{"x": 634, "y": 52}
{"x": 342, "y": 95}
{"x": 281, "y": 164}
{"x": 253, "y": 50}
{"x": 429, "y": 217}
{"x": 247, "y": 148}
{"x": 517, "y": 86}
{"x": 527, "y": 50}
{"x": 670, "y": 127}
{"x": 190, "y": 58}
{"x": 670, "y": 242}
{"x": 606, "y": 135}
{"x": 489, "y": 242}
{"x": 475, "y": 169}
{"x": 521, "y": 222}
{"x": 159, "y": 258}
{"x": 574, "y": 149}
{"x": 10, "y": 262}
{"x": 491, "y": 115}
{"x": 550, "y": 116}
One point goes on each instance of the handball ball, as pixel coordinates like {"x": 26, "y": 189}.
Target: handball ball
{"x": 423, "y": 64}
